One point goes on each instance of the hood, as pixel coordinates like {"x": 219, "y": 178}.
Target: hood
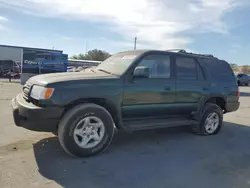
{"x": 45, "y": 79}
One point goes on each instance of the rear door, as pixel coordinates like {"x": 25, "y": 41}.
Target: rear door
{"x": 191, "y": 84}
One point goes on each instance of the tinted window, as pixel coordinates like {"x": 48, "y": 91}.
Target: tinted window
{"x": 186, "y": 68}
{"x": 201, "y": 75}
{"x": 219, "y": 70}
{"x": 159, "y": 65}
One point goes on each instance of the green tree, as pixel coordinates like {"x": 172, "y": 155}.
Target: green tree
{"x": 245, "y": 69}
{"x": 234, "y": 67}
{"x": 95, "y": 55}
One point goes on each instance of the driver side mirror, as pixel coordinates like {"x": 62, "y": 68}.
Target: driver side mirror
{"x": 141, "y": 71}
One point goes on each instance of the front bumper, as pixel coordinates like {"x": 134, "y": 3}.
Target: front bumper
{"x": 35, "y": 118}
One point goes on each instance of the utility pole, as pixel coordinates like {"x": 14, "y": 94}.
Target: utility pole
{"x": 86, "y": 48}
{"x": 135, "y": 43}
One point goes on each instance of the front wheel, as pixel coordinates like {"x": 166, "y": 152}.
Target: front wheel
{"x": 211, "y": 120}
{"x": 86, "y": 130}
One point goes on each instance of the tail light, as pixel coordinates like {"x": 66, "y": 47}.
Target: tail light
{"x": 238, "y": 93}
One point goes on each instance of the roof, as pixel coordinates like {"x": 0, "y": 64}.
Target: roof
{"x": 174, "y": 51}
{"x": 135, "y": 51}
{"x": 184, "y": 52}
{"x": 31, "y": 48}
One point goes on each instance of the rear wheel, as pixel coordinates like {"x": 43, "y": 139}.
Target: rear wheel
{"x": 211, "y": 120}
{"x": 86, "y": 130}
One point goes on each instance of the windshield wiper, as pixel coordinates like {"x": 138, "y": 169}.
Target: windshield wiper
{"x": 105, "y": 71}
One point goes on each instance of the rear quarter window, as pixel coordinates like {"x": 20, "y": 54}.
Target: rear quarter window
{"x": 219, "y": 70}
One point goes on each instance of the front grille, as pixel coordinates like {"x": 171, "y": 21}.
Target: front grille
{"x": 26, "y": 90}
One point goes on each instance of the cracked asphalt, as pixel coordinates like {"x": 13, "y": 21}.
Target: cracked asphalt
{"x": 148, "y": 159}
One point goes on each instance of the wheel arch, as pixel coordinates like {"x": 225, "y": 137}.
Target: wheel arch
{"x": 107, "y": 104}
{"x": 219, "y": 100}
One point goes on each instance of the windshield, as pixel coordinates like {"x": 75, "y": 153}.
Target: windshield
{"x": 118, "y": 63}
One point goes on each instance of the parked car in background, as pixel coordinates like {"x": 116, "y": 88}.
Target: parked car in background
{"x": 9, "y": 69}
{"x": 7, "y": 66}
{"x": 243, "y": 79}
{"x": 133, "y": 90}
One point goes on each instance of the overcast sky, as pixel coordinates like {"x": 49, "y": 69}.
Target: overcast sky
{"x": 219, "y": 27}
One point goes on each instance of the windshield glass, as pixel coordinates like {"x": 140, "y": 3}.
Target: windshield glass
{"x": 118, "y": 63}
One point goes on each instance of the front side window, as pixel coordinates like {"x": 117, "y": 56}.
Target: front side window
{"x": 186, "y": 68}
{"x": 159, "y": 65}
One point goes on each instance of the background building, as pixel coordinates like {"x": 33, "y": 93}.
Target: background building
{"x": 31, "y": 61}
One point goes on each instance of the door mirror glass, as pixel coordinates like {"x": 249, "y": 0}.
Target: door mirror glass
{"x": 141, "y": 71}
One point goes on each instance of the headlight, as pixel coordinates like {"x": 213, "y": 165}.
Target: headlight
{"x": 39, "y": 92}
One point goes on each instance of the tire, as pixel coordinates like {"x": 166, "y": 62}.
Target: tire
{"x": 69, "y": 125}
{"x": 201, "y": 128}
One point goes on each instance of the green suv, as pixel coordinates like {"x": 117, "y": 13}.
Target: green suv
{"x": 133, "y": 90}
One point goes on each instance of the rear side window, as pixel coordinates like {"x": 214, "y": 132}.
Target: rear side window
{"x": 186, "y": 68}
{"x": 219, "y": 70}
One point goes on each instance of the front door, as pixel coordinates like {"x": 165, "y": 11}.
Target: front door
{"x": 150, "y": 97}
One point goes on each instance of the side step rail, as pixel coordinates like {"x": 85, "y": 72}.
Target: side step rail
{"x": 145, "y": 124}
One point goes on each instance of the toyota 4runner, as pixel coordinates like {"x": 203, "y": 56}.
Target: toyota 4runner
{"x": 133, "y": 90}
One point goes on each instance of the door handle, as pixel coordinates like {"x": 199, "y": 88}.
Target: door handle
{"x": 205, "y": 88}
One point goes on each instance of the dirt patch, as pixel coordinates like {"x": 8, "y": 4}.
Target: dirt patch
{"x": 21, "y": 145}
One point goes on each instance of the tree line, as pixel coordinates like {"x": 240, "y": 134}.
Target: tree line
{"x": 242, "y": 69}
{"x": 94, "y": 55}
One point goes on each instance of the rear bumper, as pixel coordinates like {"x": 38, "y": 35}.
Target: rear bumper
{"x": 35, "y": 118}
{"x": 232, "y": 106}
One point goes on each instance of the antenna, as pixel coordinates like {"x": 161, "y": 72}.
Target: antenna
{"x": 86, "y": 48}
{"x": 135, "y": 43}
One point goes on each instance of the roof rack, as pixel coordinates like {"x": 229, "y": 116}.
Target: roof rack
{"x": 177, "y": 50}
{"x": 184, "y": 51}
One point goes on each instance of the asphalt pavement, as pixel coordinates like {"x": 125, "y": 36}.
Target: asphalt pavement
{"x": 147, "y": 159}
